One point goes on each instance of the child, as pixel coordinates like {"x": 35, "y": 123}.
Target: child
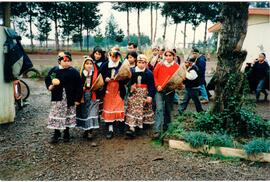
{"x": 99, "y": 57}
{"x": 132, "y": 57}
{"x": 65, "y": 84}
{"x": 142, "y": 91}
{"x": 154, "y": 59}
{"x": 164, "y": 100}
{"x": 192, "y": 86}
{"x": 87, "y": 111}
{"x": 113, "y": 104}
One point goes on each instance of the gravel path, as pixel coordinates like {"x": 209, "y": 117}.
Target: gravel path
{"x": 25, "y": 154}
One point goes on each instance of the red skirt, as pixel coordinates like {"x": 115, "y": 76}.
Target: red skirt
{"x": 113, "y": 104}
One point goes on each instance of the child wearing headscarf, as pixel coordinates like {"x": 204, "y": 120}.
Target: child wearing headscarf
{"x": 87, "y": 111}
{"x": 65, "y": 85}
{"x": 139, "y": 107}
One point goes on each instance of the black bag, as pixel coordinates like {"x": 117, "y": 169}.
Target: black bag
{"x": 16, "y": 60}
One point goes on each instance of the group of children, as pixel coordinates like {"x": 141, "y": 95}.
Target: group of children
{"x": 140, "y": 98}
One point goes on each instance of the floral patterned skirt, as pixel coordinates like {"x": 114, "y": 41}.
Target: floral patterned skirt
{"x": 138, "y": 111}
{"x": 87, "y": 113}
{"x": 62, "y": 116}
{"x": 113, "y": 104}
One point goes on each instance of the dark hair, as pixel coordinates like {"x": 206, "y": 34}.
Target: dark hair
{"x": 174, "y": 50}
{"x": 263, "y": 55}
{"x": 195, "y": 50}
{"x": 132, "y": 44}
{"x": 67, "y": 54}
{"x": 99, "y": 50}
{"x": 192, "y": 60}
{"x": 133, "y": 54}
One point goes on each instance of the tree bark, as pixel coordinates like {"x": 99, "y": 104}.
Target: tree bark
{"x": 31, "y": 32}
{"x": 139, "y": 33}
{"x": 81, "y": 29}
{"x": 128, "y": 37}
{"x": 6, "y": 13}
{"x": 194, "y": 35}
{"x": 56, "y": 27}
{"x": 165, "y": 27}
{"x": 205, "y": 34}
{"x": 230, "y": 56}
{"x": 155, "y": 33}
{"x": 87, "y": 39}
{"x": 185, "y": 29}
{"x": 151, "y": 19}
{"x": 175, "y": 32}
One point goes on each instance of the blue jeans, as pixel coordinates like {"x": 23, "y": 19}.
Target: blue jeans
{"x": 260, "y": 88}
{"x": 164, "y": 106}
{"x": 203, "y": 92}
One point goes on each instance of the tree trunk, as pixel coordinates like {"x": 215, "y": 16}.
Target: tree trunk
{"x": 151, "y": 19}
{"x": 81, "y": 29}
{"x": 194, "y": 35}
{"x": 155, "y": 33}
{"x": 7, "y": 13}
{"x": 230, "y": 56}
{"x": 31, "y": 32}
{"x": 68, "y": 42}
{"x": 165, "y": 27}
{"x": 87, "y": 39}
{"x": 128, "y": 37}
{"x": 175, "y": 32}
{"x": 139, "y": 33}
{"x": 56, "y": 27}
{"x": 185, "y": 29}
{"x": 205, "y": 34}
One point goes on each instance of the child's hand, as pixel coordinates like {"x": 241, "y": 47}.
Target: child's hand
{"x": 107, "y": 79}
{"x": 51, "y": 87}
{"x": 159, "y": 88}
{"x": 133, "y": 88}
{"x": 77, "y": 103}
{"x": 149, "y": 100}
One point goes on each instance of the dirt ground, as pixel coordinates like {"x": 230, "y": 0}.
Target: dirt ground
{"x": 25, "y": 153}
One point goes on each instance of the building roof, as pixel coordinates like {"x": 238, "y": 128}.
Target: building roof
{"x": 252, "y": 11}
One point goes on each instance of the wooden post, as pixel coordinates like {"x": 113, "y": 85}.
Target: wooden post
{"x": 7, "y": 109}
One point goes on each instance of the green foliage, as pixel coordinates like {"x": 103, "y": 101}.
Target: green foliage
{"x": 257, "y": 146}
{"x": 198, "y": 139}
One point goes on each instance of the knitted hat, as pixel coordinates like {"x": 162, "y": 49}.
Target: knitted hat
{"x": 86, "y": 58}
{"x": 155, "y": 47}
{"x": 195, "y": 50}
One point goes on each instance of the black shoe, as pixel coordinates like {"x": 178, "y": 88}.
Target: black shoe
{"x": 130, "y": 134}
{"x": 109, "y": 135}
{"x": 88, "y": 135}
{"x": 55, "y": 137}
{"x": 66, "y": 136}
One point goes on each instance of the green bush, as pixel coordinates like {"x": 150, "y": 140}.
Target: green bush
{"x": 196, "y": 139}
{"x": 220, "y": 140}
{"x": 257, "y": 146}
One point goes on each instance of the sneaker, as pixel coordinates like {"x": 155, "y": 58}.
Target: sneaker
{"x": 109, "y": 135}
{"x": 87, "y": 135}
{"x": 156, "y": 136}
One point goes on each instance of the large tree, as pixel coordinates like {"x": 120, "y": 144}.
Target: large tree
{"x": 156, "y": 6}
{"x": 139, "y": 6}
{"x": 230, "y": 56}
{"x": 124, "y": 6}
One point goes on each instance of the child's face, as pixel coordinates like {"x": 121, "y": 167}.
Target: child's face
{"x": 155, "y": 52}
{"x": 97, "y": 55}
{"x": 65, "y": 63}
{"x": 141, "y": 64}
{"x": 131, "y": 59}
{"x": 261, "y": 57}
{"x": 169, "y": 57}
{"x": 114, "y": 58}
{"x": 88, "y": 65}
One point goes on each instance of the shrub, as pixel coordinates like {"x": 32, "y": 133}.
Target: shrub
{"x": 220, "y": 140}
{"x": 257, "y": 146}
{"x": 196, "y": 139}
